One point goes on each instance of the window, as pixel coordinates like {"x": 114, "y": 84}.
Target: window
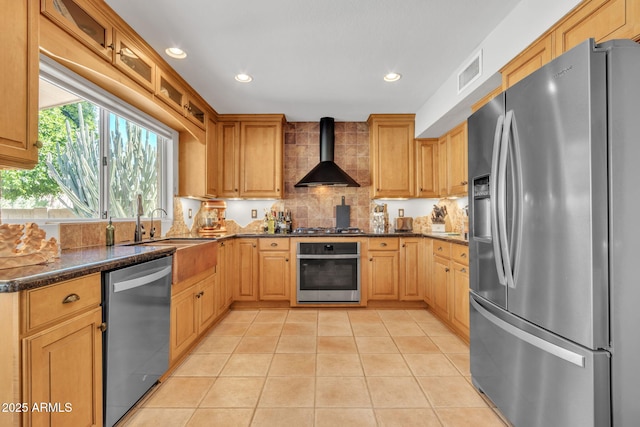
{"x": 98, "y": 154}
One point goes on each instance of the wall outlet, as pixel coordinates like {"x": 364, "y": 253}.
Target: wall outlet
{"x": 190, "y": 213}
{"x": 254, "y": 213}
{"x": 400, "y": 213}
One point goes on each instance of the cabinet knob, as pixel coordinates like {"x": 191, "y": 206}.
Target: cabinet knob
{"x": 274, "y": 244}
{"x": 38, "y": 144}
{"x": 102, "y": 326}
{"x": 383, "y": 244}
{"x": 370, "y": 259}
{"x": 463, "y": 255}
{"x": 440, "y": 248}
{"x": 286, "y": 260}
{"x": 111, "y": 46}
{"x": 463, "y": 270}
{"x": 71, "y": 298}
{"x": 446, "y": 269}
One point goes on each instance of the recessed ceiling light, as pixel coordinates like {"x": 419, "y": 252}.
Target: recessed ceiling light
{"x": 176, "y": 52}
{"x": 243, "y": 78}
{"x": 392, "y": 77}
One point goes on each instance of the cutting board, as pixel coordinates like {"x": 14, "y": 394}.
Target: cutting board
{"x": 343, "y": 215}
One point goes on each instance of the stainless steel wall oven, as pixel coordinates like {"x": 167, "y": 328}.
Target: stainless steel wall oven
{"x": 328, "y": 272}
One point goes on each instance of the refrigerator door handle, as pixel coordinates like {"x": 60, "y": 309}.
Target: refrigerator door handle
{"x": 543, "y": 345}
{"x": 493, "y": 196}
{"x": 502, "y": 200}
{"x": 518, "y": 202}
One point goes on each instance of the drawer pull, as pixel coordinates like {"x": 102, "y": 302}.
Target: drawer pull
{"x": 440, "y": 248}
{"x": 463, "y": 255}
{"x": 463, "y": 270}
{"x": 383, "y": 244}
{"x": 71, "y": 298}
{"x": 274, "y": 244}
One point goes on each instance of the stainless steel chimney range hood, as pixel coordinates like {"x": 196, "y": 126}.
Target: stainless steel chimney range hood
{"x": 327, "y": 172}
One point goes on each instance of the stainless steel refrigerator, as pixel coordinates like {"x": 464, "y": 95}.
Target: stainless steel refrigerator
{"x": 554, "y": 166}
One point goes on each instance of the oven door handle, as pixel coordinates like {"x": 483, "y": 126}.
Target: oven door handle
{"x": 342, "y": 256}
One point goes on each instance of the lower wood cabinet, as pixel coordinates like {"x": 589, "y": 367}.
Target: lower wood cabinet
{"x": 384, "y": 268}
{"x": 274, "y": 268}
{"x": 246, "y": 269}
{"x": 224, "y": 273}
{"x": 412, "y": 271}
{"x": 447, "y": 293}
{"x": 62, "y": 353}
{"x": 193, "y": 309}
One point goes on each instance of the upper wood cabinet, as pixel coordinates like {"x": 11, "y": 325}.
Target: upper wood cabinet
{"x": 133, "y": 61}
{"x": 84, "y": 21}
{"x": 599, "y": 19}
{"x": 452, "y": 162}
{"x": 19, "y": 93}
{"x": 170, "y": 90}
{"x": 457, "y": 160}
{"x": 251, "y": 156}
{"x": 427, "y": 168}
{"x": 262, "y": 158}
{"x": 392, "y": 155}
{"x": 534, "y": 57}
{"x": 228, "y": 159}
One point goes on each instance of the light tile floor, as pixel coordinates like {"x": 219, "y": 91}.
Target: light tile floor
{"x": 304, "y": 367}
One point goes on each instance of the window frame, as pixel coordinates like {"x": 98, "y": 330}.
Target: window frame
{"x": 61, "y": 76}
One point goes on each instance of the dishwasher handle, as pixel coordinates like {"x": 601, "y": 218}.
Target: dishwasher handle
{"x": 125, "y": 285}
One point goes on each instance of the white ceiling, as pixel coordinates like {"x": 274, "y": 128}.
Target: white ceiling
{"x": 316, "y": 58}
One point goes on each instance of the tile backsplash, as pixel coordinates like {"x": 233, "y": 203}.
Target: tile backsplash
{"x": 315, "y": 206}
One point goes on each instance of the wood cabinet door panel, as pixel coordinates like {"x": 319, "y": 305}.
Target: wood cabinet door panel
{"x": 441, "y": 291}
{"x": 19, "y": 94}
{"x": 458, "y": 160}
{"x": 83, "y": 21}
{"x": 527, "y": 62}
{"x": 64, "y": 365}
{"x": 412, "y": 270}
{"x": 460, "y": 306}
{"x": 599, "y": 19}
{"x": 384, "y": 275}
{"x": 131, "y": 60}
{"x": 207, "y": 300}
{"x": 393, "y": 160}
{"x": 261, "y": 152}
{"x": 443, "y": 167}
{"x": 184, "y": 327}
{"x": 228, "y": 159}
{"x": 427, "y": 167}
{"x": 247, "y": 270}
{"x": 274, "y": 275}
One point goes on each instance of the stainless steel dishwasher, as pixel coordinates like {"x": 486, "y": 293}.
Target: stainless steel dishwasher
{"x": 137, "y": 308}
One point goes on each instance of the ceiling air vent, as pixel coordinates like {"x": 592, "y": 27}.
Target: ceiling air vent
{"x": 470, "y": 73}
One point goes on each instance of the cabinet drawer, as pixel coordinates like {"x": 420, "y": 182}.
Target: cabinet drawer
{"x": 442, "y": 249}
{"x": 384, "y": 244}
{"x": 460, "y": 253}
{"x": 51, "y": 303}
{"x": 273, "y": 244}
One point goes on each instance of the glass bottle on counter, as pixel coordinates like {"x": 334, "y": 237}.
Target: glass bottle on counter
{"x": 110, "y": 233}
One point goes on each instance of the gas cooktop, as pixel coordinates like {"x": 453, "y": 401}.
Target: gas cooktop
{"x": 327, "y": 230}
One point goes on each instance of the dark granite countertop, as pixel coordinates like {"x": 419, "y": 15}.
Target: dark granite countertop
{"x": 74, "y": 263}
